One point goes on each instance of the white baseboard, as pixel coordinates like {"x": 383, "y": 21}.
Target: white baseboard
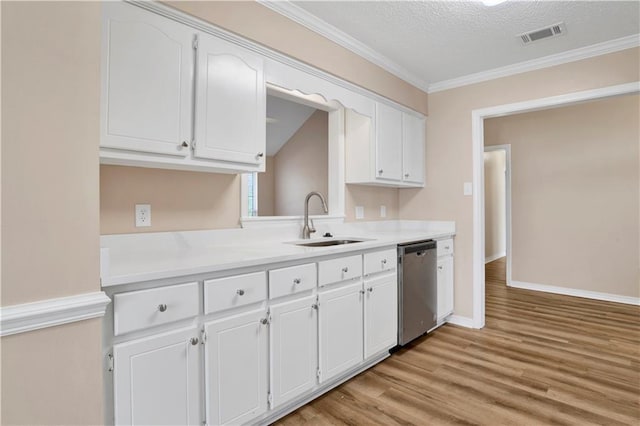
{"x": 48, "y": 313}
{"x": 460, "y": 320}
{"x": 494, "y": 257}
{"x": 607, "y": 297}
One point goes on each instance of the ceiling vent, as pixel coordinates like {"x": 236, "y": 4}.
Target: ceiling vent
{"x": 554, "y": 30}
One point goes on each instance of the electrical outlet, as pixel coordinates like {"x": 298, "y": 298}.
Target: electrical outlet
{"x": 383, "y": 211}
{"x": 468, "y": 188}
{"x": 359, "y": 212}
{"x": 143, "y": 215}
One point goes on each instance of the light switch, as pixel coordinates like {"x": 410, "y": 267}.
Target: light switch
{"x": 359, "y": 212}
{"x": 468, "y": 188}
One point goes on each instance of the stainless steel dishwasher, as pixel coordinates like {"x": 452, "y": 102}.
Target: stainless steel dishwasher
{"x": 417, "y": 290}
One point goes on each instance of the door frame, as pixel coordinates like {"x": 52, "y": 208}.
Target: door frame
{"x": 477, "y": 140}
{"x": 507, "y": 201}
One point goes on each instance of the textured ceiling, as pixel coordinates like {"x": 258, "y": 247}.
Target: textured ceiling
{"x": 441, "y": 40}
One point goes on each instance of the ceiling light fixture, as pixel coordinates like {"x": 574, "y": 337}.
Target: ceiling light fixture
{"x": 492, "y": 2}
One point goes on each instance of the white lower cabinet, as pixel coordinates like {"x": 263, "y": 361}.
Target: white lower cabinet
{"x": 156, "y": 379}
{"x": 341, "y": 330}
{"x": 294, "y": 349}
{"x": 236, "y": 368}
{"x": 380, "y": 314}
{"x": 445, "y": 287}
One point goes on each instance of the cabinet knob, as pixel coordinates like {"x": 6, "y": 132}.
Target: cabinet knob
{"x": 362, "y": 291}
{"x": 240, "y": 292}
{"x": 264, "y": 321}
{"x": 184, "y": 144}
{"x": 439, "y": 268}
{"x": 380, "y": 171}
{"x": 446, "y": 247}
{"x": 162, "y": 307}
{"x": 384, "y": 261}
{"x": 406, "y": 175}
{"x": 194, "y": 341}
{"x": 297, "y": 280}
{"x": 260, "y": 154}
{"x": 370, "y": 289}
{"x": 314, "y": 306}
{"x": 345, "y": 269}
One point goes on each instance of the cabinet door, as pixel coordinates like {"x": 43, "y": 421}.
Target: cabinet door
{"x": 445, "y": 287}
{"x": 413, "y": 141}
{"x": 294, "y": 349}
{"x": 380, "y": 314}
{"x": 147, "y": 72}
{"x": 230, "y": 103}
{"x": 341, "y": 330}
{"x": 236, "y": 368}
{"x": 388, "y": 143}
{"x": 156, "y": 380}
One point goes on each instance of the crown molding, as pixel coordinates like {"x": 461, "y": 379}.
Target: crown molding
{"x": 539, "y": 63}
{"x": 317, "y": 25}
{"x": 51, "y": 312}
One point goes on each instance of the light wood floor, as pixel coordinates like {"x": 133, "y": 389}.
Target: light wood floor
{"x": 541, "y": 359}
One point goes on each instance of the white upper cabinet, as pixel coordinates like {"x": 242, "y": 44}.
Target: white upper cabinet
{"x": 147, "y": 70}
{"x": 230, "y": 103}
{"x": 413, "y": 141}
{"x": 388, "y": 143}
{"x": 384, "y": 150}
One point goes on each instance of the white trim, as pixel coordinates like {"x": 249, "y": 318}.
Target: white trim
{"x": 508, "y": 252}
{"x": 581, "y": 53}
{"x": 328, "y": 31}
{"x": 461, "y": 321}
{"x": 494, "y": 257}
{"x": 607, "y": 297}
{"x": 48, "y": 313}
{"x": 477, "y": 139}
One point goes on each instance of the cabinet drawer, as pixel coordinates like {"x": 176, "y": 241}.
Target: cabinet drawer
{"x": 146, "y": 308}
{"x": 445, "y": 247}
{"x": 380, "y": 261}
{"x": 231, "y": 292}
{"x": 285, "y": 281}
{"x": 342, "y": 269}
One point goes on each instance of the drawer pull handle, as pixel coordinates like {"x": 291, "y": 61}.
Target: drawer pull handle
{"x": 297, "y": 280}
{"x": 240, "y": 292}
{"x": 370, "y": 289}
{"x": 162, "y": 307}
{"x": 194, "y": 341}
{"x": 345, "y": 269}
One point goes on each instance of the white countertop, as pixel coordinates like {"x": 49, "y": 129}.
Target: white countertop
{"x": 131, "y": 258}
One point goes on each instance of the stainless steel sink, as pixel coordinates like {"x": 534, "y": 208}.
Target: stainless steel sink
{"x": 328, "y": 243}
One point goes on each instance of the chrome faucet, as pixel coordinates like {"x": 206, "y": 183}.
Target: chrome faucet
{"x": 308, "y": 230}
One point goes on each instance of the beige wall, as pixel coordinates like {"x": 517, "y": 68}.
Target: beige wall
{"x": 258, "y": 23}
{"x": 179, "y": 200}
{"x": 301, "y": 167}
{"x": 495, "y": 218}
{"x": 575, "y": 194}
{"x": 449, "y": 150}
{"x": 371, "y": 198}
{"x": 266, "y": 188}
{"x": 50, "y": 212}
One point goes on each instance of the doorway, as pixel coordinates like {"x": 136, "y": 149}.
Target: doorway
{"x": 497, "y": 204}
